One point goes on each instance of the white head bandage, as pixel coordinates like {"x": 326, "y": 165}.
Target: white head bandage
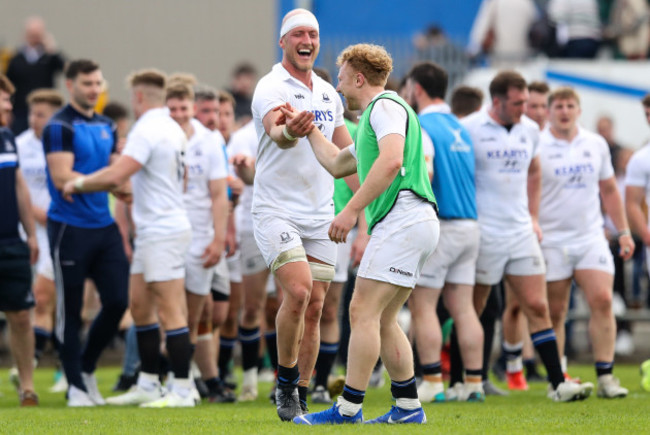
{"x": 305, "y": 18}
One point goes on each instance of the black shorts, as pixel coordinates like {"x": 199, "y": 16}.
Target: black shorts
{"x": 217, "y": 296}
{"x": 15, "y": 277}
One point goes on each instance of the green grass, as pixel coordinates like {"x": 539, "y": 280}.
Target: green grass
{"x": 524, "y": 412}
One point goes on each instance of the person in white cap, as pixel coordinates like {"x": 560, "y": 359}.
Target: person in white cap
{"x": 292, "y": 204}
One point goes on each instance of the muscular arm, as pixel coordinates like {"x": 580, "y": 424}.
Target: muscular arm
{"x": 634, "y": 196}
{"x": 108, "y": 178}
{"x": 60, "y": 166}
{"x": 535, "y": 193}
{"x": 25, "y": 214}
{"x": 220, "y": 211}
{"x": 339, "y": 163}
{"x": 275, "y": 131}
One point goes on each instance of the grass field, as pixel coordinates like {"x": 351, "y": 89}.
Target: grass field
{"x": 523, "y": 412}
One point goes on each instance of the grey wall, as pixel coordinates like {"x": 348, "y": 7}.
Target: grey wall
{"x": 205, "y": 37}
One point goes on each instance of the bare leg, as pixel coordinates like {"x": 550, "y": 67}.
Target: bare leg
{"x": 21, "y": 342}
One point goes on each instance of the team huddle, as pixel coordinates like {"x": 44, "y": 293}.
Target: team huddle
{"x": 516, "y": 199}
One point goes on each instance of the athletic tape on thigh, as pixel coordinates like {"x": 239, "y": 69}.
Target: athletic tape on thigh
{"x": 291, "y": 256}
{"x": 322, "y": 272}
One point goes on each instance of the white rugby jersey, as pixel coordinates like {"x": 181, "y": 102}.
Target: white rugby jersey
{"x": 244, "y": 141}
{"x": 570, "y": 208}
{"x": 158, "y": 143}
{"x": 32, "y": 164}
{"x": 502, "y": 162}
{"x": 637, "y": 172}
{"x": 204, "y": 161}
{"x": 291, "y": 182}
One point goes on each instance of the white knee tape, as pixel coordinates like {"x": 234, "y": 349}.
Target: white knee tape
{"x": 290, "y": 256}
{"x": 321, "y": 272}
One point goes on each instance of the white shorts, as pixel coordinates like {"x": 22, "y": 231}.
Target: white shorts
{"x": 277, "y": 234}
{"x": 44, "y": 264}
{"x": 221, "y": 278}
{"x": 161, "y": 258}
{"x": 343, "y": 251}
{"x": 520, "y": 256}
{"x": 198, "y": 279}
{"x": 400, "y": 244}
{"x": 234, "y": 267}
{"x": 454, "y": 260}
{"x": 252, "y": 261}
{"x": 562, "y": 261}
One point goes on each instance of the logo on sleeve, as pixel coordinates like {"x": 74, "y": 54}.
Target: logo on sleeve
{"x": 326, "y": 98}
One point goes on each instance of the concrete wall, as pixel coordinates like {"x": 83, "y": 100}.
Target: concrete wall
{"x": 206, "y": 37}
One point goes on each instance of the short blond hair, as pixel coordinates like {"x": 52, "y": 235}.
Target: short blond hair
{"x": 47, "y": 96}
{"x": 563, "y": 93}
{"x": 6, "y": 85}
{"x": 148, "y": 77}
{"x": 373, "y": 61}
{"x": 179, "y": 90}
{"x": 183, "y": 77}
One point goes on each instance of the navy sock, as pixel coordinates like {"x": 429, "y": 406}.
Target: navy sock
{"x": 546, "y": 345}
{"x": 404, "y": 389}
{"x": 352, "y": 395}
{"x": 250, "y": 346}
{"x": 272, "y": 348}
{"x": 288, "y": 375}
{"x": 149, "y": 347}
{"x": 41, "y": 337}
{"x": 178, "y": 351}
{"x": 326, "y": 357}
{"x": 604, "y": 368}
{"x": 226, "y": 345}
{"x": 432, "y": 369}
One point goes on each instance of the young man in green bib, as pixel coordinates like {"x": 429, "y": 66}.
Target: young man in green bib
{"x": 402, "y": 222}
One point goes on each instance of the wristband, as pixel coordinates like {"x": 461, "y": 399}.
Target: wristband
{"x": 286, "y": 134}
{"x": 625, "y": 232}
{"x": 79, "y": 184}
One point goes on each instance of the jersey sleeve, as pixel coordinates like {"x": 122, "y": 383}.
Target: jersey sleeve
{"x": 338, "y": 119}
{"x": 637, "y": 170}
{"x": 58, "y": 137}
{"x": 267, "y": 98}
{"x": 218, "y": 168}
{"x": 138, "y": 148}
{"x": 388, "y": 117}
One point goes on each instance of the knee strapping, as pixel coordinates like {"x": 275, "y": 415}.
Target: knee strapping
{"x": 321, "y": 272}
{"x": 291, "y": 256}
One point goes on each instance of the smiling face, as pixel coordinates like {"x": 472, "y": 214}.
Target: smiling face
{"x": 300, "y": 48}
{"x": 347, "y": 85}
{"x": 181, "y": 110}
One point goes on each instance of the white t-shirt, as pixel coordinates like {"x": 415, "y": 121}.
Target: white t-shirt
{"x": 570, "y": 208}
{"x": 158, "y": 143}
{"x": 291, "y": 182}
{"x": 244, "y": 141}
{"x": 32, "y": 165}
{"x": 638, "y": 171}
{"x": 502, "y": 162}
{"x": 204, "y": 161}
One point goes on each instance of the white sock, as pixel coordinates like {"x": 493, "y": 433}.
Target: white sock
{"x": 408, "y": 404}
{"x": 182, "y": 386}
{"x": 347, "y": 408}
{"x": 514, "y": 365}
{"x": 563, "y": 363}
{"x": 148, "y": 381}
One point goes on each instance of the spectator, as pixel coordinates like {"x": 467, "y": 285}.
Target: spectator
{"x": 242, "y": 85}
{"x": 35, "y": 65}
{"x": 629, "y": 27}
{"x": 578, "y": 27}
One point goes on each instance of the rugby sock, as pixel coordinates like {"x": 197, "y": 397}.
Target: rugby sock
{"x": 455, "y": 360}
{"x": 432, "y": 372}
{"x": 213, "y": 385}
{"x": 353, "y": 395}
{"x": 405, "y": 393}
{"x": 41, "y": 337}
{"x": 325, "y": 361}
{"x": 149, "y": 347}
{"x": 288, "y": 375}
{"x": 488, "y": 320}
{"x": 178, "y": 351}
{"x": 302, "y": 394}
{"x": 546, "y": 345}
{"x": 513, "y": 356}
{"x": 473, "y": 376}
{"x": 272, "y": 348}
{"x": 604, "y": 368}
{"x": 250, "y": 346}
{"x": 226, "y": 345}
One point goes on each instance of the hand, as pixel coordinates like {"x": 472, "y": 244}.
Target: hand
{"x": 128, "y": 250}
{"x": 626, "y": 244}
{"x": 341, "y": 225}
{"x": 33, "y": 249}
{"x": 283, "y": 118}
{"x": 298, "y": 124}
{"x": 212, "y": 253}
{"x": 68, "y": 190}
{"x": 359, "y": 247}
{"x": 231, "y": 244}
{"x": 242, "y": 161}
{"x": 236, "y": 185}
{"x": 124, "y": 193}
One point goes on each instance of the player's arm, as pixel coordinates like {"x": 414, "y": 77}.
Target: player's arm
{"x": 535, "y": 193}
{"x": 109, "y": 178}
{"x": 613, "y": 205}
{"x": 244, "y": 167}
{"x": 40, "y": 215}
{"x": 342, "y": 139}
{"x": 25, "y": 214}
{"x": 59, "y": 152}
{"x": 634, "y": 196}
{"x": 286, "y": 134}
{"x": 220, "y": 210}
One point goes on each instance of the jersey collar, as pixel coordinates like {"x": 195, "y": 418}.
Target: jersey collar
{"x": 284, "y": 75}
{"x": 436, "y": 108}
